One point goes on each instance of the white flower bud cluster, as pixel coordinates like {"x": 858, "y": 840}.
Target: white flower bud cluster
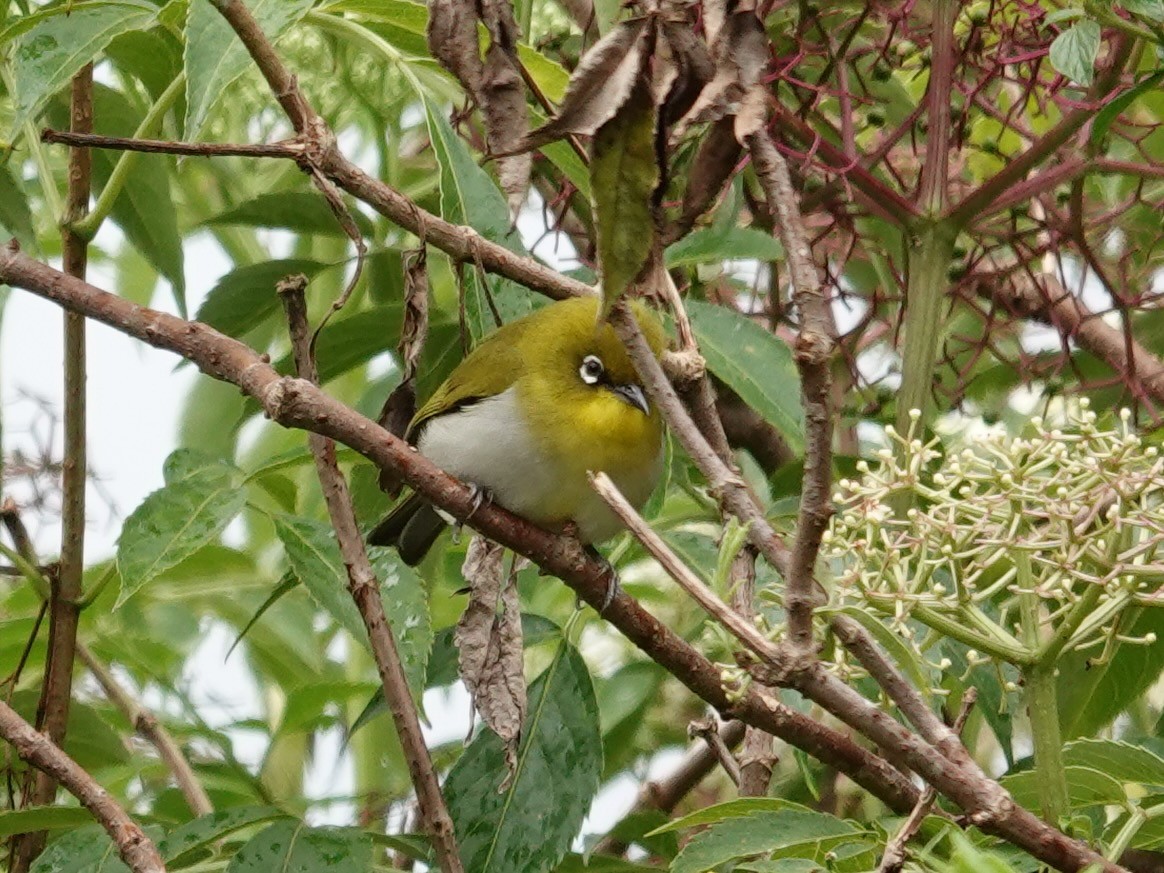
{"x": 951, "y": 535}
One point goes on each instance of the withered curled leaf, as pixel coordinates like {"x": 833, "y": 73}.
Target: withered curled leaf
{"x": 683, "y": 66}
{"x": 600, "y": 85}
{"x": 506, "y": 114}
{"x": 488, "y": 637}
{"x": 718, "y": 154}
{"x": 452, "y": 40}
{"x": 741, "y": 53}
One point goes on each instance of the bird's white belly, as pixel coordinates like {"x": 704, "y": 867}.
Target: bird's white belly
{"x": 489, "y": 445}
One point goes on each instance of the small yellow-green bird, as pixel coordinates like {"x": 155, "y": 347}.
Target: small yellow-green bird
{"x": 538, "y": 404}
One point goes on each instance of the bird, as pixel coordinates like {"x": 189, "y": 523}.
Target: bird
{"x": 536, "y": 406}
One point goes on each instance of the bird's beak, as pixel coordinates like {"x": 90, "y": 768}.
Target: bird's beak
{"x": 633, "y": 394}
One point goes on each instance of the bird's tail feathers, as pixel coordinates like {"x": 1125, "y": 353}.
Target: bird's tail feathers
{"x": 411, "y": 527}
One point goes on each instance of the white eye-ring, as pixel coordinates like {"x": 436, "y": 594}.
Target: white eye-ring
{"x": 591, "y": 370}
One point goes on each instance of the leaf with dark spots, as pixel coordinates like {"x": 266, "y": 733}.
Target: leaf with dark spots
{"x": 600, "y": 86}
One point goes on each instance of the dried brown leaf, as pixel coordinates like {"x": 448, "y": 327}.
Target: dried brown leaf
{"x": 718, "y": 154}
{"x": 506, "y": 114}
{"x": 741, "y": 53}
{"x": 752, "y": 115}
{"x": 452, "y": 39}
{"x": 400, "y": 406}
{"x": 490, "y": 644}
{"x": 687, "y": 67}
{"x": 600, "y": 85}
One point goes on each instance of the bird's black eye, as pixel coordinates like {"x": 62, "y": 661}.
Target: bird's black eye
{"x": 591, "y": 370}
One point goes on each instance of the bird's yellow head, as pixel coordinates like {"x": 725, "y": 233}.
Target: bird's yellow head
{"x": 582, "y": 372}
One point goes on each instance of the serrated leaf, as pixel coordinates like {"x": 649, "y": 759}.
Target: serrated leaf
{"x": 1153, "y": 10}
{"x": 184, "y": 464}
{"x": 1121, "y": 761}
{"x": 315, "y": 560}
{"x": 297, "y": 211}
{"x": 405, "y": 601}
{"x": 42, "y": 818}
{"x": 48, "y": 54}
{"x": 623, "y": 176}
{"x": 531, "y": 824}
{"x": 469, "y": 196}
{"x": 173, "y": 523}
{"x": 1074, "y": 51}
{"x": 719, "y": 812}
{"x": 759, "y": 833}
{"x": 215, "y": 57}
{"x": 246, "y": 295}
{"x": 1086, "y": 787}
{"x": 753, "y": 363}
{"x": 294, "y": 846}
{"x": 15, "y": 216}
{"x": 203, "y": 832}
{"x": 710, "y": 244}
{"x": 86, "y": 850}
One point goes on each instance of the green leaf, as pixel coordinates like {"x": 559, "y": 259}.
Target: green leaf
{"x": 180, "y": 844}
{"x": 1153, "y": 10}
{"x": 713, "y": 244}
{"x": 297, "y": 211}
{"x": 87, "y": 850}
{"x": 530, "y": 824}
{"x": 90, "y": 740}
{"x": 15, "y": 216}
{"x": 245, "y": 296}
{"x": 759, "y": 833}
{"x": 753, "y": 363}
{"x": 1121, "y": 761}
{"x": 730, "y": 809}
{"x": 215, "y": 57}
{"x": 144, "y": 208}
{"x": 345, "y": 343}
{"x": 1074, "y": 51}
{"x": 469, "y": 196}
{"x": 294, "y": 847}
{"x": 315, "y": 559}
{"x": 50, "y": 52}
{"x": 186, "y": 464}
{"x": 405, "y": 601}
{"x": 1085, "y": 787}
{"x": 1092, "y": 695}
{"x": 1113, "y": 109}
{"x": 42, "y": 818}
{"x": 173, "y": 523}
{"x": 623, "y": 176}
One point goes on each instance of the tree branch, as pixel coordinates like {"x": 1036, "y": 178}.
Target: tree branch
{"x": 147, "y": 725}
{"x": 297, "y": 403}
{"x": 135, "y": 848}
{"x": 365, "y": 591}
{"x": 814, "y": 351}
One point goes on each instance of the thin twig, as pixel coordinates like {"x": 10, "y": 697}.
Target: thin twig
{"x": 895, "y": 849}
{"x": 814, "y": 351}
{"x": 290, "y": 149}
{"x": 135, "y": 848}
{"x": 708, "y": 730}
{"x": 146, "y": 723}
{"x": 365, "y": 590}
{"x": 739, "y": 627}
{"x": 65, "y": 595}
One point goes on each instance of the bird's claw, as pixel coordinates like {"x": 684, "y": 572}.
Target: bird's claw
{"x": 481, "y": 497}
{"x": 612, "y": 586}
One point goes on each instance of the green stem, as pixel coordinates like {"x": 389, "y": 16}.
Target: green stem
{"x": 88, "y": 226}
{"x": 950, "y": 627}
{"x": 1051, "y": 648}
{"x": 924, "y": 320}
{"x": 1042, "y": 703}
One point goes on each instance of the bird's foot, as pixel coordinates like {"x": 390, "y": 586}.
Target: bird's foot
{"x": 481, "y": 497}
{"x": 612, "y": 586}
